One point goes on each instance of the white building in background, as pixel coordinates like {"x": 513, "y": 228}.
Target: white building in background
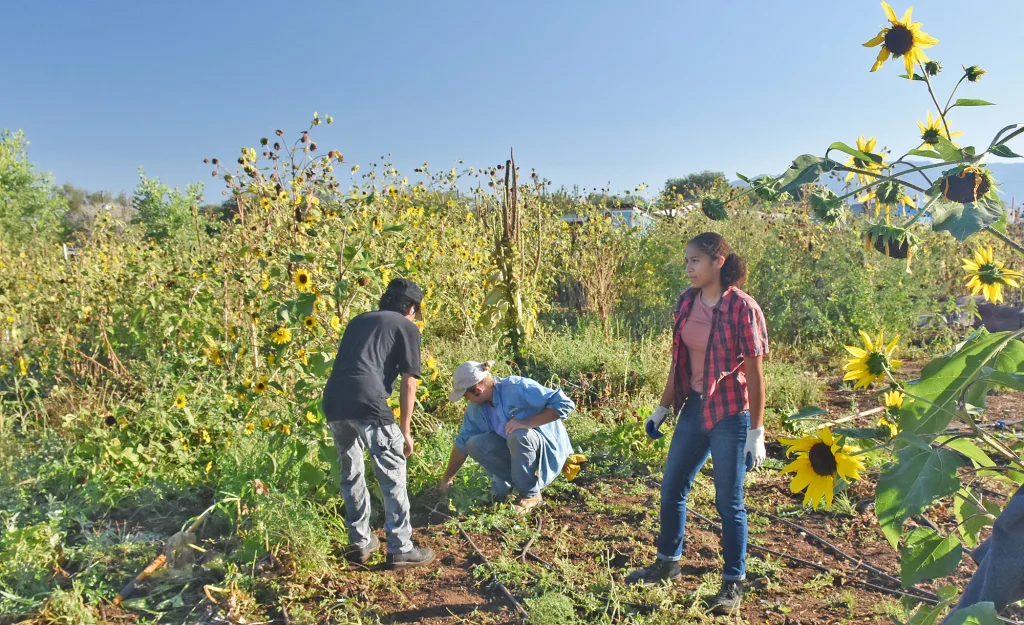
{"x": 621, "y": 217}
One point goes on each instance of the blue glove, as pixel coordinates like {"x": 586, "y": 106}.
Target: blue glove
{"x": 653, "y": 423}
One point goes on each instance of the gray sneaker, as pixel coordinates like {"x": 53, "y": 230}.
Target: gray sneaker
{"x": 417, "y": 557}
{"x": 728, "y": 599}
{"x": 362, "y": 554}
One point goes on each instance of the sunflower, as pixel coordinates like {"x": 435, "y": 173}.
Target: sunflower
{"x": 309, "y": 322}
{"x": 285, "y": 428}
{"x": 932, "y": 130}
{"x": 303, "y": 281}
{"x": 903, "y": 38}
{"x": 281, "y": 336}
{"x": 893, "y": 401}
{"x": 266, "y": 424}
{"x": 260, "y": 387}
{"x": 887, "y": 428}
{"x": 988, "y": 276}
{"x": 820, "y": 461}
{"x": 572, "y": 466}
{"x": 335, "y": 323}
{"x": 887, "y": 193}
{"x": 264, "y": 282}
{"x": 868, "y": 147}
{"x": 265, "y": 203}
{"x": 311, "y": 417}
{"x": 873, "y": 361}
{"x": 180, "y": 401}
{"x": 250, "y": 428}
{"x": 204, "y": 435}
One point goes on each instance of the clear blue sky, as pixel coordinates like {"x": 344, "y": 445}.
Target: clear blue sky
{"x": 589, "y": 92}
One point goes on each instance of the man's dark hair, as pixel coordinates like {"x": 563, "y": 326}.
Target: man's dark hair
{"x": 398, "y": 303}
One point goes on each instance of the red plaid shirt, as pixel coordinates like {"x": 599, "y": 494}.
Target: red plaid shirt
{"x": 737, "y": 330}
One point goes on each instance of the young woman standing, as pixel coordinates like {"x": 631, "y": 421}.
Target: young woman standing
{"x": 716, "y": 386}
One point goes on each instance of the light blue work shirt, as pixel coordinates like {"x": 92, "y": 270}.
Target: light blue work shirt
{"x": 521, "y": 398}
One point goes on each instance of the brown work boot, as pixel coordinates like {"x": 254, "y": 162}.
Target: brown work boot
{"x": 525, "y": 504}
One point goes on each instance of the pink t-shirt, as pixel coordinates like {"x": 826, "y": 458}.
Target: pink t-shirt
{"x": 696, "y": 332}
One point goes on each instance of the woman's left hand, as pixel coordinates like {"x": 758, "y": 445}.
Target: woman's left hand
{"x": 753, "y": 451}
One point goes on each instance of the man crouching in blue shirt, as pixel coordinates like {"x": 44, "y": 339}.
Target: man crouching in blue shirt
{"x": 513, "y": 428}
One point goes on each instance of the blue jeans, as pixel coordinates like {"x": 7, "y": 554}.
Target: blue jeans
{"x": 688, "y": 452}
{"x": 510, "y": 462}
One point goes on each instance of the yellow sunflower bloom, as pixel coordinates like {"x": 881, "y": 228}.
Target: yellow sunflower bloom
{"x": 309, "y": 322}
{"x": 281, "y": 336}
{"x": 932, "y": 130}
{"x": 987, "y": 275}
{"x": 891, "y": 426}
{"x": 903, "y": 38}
{"x": 250, "y": 428}
{"x": 820, "y": 461}
{"x": 872, "y": 362}
{"x": 264, "y": 282}
{"x": 311, "y": 417}
{"x": 260, "y": 387}
{"x": 265, "y": 203}
{"x": 266, "y": 424}
{"x": 180, "y": 401}
{"x": 868, "y": 147}
{"x": 303, "y": 280}
{"x": 285, "y": 428}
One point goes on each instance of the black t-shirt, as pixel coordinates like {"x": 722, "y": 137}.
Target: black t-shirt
{"x": 376, "y": 348}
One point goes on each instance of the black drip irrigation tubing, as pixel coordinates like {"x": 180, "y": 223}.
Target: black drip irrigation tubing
{"x": 917, "y": 595}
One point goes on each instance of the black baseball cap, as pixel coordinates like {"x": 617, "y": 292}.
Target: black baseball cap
{"x": 406, "y": 287}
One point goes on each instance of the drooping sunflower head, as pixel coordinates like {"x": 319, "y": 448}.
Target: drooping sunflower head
{"x": 821, "y": 460}
{"x": 974, "y": 73}
{"x": 827, "y": 206}
{"x": 903, "y": 38}
{"x": 303, "y": 281}
{"x": 888, "y": 193}
{"x": 872, "y": 362}
{"x": 873, "y": 167}
{"x": 713, "y": 208}
{"x": 987, "y": 275}
{"x": 965, "y": 185}
{"x": 932, "y": 130}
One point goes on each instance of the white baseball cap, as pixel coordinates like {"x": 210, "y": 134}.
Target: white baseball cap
{"x": 467, "y": 375}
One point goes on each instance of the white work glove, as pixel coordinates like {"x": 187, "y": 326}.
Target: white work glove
{"x": 753, "y": 451}
{"x": 653, "y": 422}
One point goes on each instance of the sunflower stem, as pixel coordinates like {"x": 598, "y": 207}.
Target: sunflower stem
{"x": 931, "y": 92}
{"x": 1017, "y": 247}
{"x": 920, "y": 212}
{"x": 953, "y": 92}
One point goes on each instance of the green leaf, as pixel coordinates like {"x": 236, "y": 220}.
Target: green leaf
{"x": 1004, "y": 151}
{"x": 944, "y": 379}
{"x": 963, "y": 220}
{"x": 855, "y": 153}
{"x": 1000, "y": 223}
{"x": 947, "y": 150}
{"x": 927, "y": 555}
{"x": 311, "y": 475}
{"x": 805, "y": 170}
{"x": 919, "y": 476}
{"x": 978, "y": 614}
{"x": 916, "y": 76}
{"x": 971, "y": 518}
{"x": 320, "y": 364}
{"x": 969, "y": 449}
{"x": 972, "y": 102}
{"x": 856, "y": 433}
{"x": 807, "y": 412}
{"x": 925, "y": 153}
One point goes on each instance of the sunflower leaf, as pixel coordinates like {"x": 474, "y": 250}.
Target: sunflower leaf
{"x": 1004, "y": 151}
{"x": 947, "y": 150}
{"x": 920, "y": 475}
{"x": 978, "y": 614}
{"x": 971, "y": 518}
{"x": 804, "y": 170}
{"x": 927, "y": 555}
{"x": 972, "y": 102}
{"x": 963, "y": 220}
{"x": 925, "y": 153}
{"x": 807, "y": 412}
{"x": 855, "y": 153}
{"x": 944, "y": 380}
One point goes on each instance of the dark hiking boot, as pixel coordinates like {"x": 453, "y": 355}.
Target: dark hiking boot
{"x": 417, "y": 557}
{"x": 660, "y": 571}
{"x": 362, "y": 554}
{"x": 728, "y": 599}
